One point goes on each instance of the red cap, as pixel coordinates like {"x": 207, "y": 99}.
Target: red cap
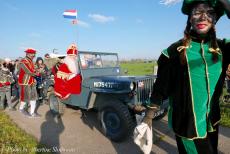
{"x": 30, "y": 50}
{"x": 72, "y": 50}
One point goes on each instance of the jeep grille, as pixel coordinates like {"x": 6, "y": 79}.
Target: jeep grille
{"x": 144, "y": 89}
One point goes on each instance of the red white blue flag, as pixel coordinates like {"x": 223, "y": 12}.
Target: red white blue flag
{"x": 70, "y": 14}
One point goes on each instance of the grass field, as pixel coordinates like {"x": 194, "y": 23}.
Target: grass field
{"x": 137, "y": 68}
{"x": 225, "y": 112}
{"x": 15, "y": 140}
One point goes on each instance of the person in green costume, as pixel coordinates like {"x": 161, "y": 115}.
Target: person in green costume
{"x": 191, "y": 74}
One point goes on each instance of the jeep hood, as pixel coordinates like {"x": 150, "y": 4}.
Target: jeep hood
{"x": 112, "y": 84}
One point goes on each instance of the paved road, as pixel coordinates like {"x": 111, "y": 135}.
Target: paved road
{"x": 81, "y": 135}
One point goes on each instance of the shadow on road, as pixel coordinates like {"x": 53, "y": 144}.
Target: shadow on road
{"x": 128, "y": 146}
{"x": 50, "y": 132}
{"x": 163, "y": 135}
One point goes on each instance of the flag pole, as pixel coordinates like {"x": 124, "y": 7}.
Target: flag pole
{"x": 75, "y": 30}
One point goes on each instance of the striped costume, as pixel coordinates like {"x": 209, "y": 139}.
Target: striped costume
{"x": 26, "y": 80}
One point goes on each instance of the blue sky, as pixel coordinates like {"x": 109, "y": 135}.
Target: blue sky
{"x": 133, "y": 28}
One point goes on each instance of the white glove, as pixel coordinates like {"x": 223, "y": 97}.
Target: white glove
{"x": 72, "y": 76}
{"x": 143, "y": 137}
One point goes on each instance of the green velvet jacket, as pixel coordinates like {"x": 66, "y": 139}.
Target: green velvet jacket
{"x": 193, "y": 89}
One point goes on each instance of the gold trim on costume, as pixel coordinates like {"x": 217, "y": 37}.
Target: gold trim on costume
{"x": 217, "y": 50}
{"x": 216, "y": 123}
{"x": 62, "y": 75}
{"x": 27, "y": 78}
{"x": 191, "y": 91}
{"x": 180, "y": 48}
{"x": 193, "y": 137}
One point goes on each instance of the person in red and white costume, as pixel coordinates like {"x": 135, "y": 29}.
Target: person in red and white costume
{"x": 27, "y": 83}
{"x": 68, "y": 75}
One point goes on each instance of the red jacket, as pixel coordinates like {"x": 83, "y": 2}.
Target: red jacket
{"x": 26, "y": 72}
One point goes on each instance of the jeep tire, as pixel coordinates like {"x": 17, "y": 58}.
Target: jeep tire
{"x": 55, "y": 105}
{"x": 116, "y": 121}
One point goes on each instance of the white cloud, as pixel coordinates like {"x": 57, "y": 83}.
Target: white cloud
{"x": 101, "y": 18}
{"x": 169, "y": 2}
{"x": 83, "y": 24}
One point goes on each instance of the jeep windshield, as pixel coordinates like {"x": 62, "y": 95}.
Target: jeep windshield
{"x": 90, "y": 60}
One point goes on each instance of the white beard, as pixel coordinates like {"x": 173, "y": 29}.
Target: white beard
{"x": 71, "y": 64}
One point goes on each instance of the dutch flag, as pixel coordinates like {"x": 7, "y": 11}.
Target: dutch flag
{"x": 70, "y": 14}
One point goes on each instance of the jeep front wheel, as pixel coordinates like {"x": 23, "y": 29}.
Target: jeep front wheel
{"x": 56, "y": 106}
{"x": 116, "y": 121}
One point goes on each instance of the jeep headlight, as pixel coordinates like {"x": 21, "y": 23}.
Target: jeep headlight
{"x": 132, "y": 86}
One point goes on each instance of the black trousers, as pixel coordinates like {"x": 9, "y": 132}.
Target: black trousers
{"x": 206, "y": 145}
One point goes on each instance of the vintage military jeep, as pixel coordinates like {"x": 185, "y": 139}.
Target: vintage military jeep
{"x": 114, "y": 96}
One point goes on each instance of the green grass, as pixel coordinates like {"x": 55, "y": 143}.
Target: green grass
{"x": 15, "y": 140}
{"x": 137, "y": 68}
{"x": 225, "y": 115}
{"x": 225, "y": 112}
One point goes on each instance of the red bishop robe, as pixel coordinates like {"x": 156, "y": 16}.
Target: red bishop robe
{"x": 64, "y": 86}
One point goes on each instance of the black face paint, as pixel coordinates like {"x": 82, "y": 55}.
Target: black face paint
{"x": 204, "y": 11}
{"x": 202, "y": 18}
